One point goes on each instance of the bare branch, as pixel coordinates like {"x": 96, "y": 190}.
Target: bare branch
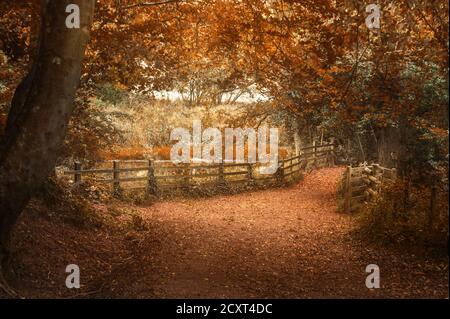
{"x": 149, "y": 4}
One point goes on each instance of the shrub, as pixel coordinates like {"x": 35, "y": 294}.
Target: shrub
{"x": 403, "y": 213}
{"x": 70, "y": 204}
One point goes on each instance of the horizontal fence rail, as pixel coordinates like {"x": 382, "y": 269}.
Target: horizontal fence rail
{"x": 155, "y": 175}
{"x": 362, "y": 184}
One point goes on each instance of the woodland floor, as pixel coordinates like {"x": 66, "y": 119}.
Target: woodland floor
{"x": 284, "y": 242}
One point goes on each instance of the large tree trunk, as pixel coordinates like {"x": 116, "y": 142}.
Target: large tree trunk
{"x": 40, "y": 110}
{"x": 388, "y": 146}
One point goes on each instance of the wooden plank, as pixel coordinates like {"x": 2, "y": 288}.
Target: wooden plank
{"x": 128, "y": 161}
{"x": 356, "y": 189}
{"x": 294, "y": 158}
{"x": 131, "y": 179}
{"x": 167, "y": 168}
{"x": 271, "y": 177}
{"x": 367, "y": 170}
{"x": 356, "y": 208}
{"x": 105, "y": 171}
{"x": 291, "y": 173}
{"x": 373, "y": 179}
{"x": 90, "y": 171}
{"x": 235, "y": 164}
{"x": 235, "y": 173}
{"x": 292, "y": 165}
{"x": 357, "y": 180}
{"x": 163, "y": 177}
{"x": 317, "y": 146}
{"x": 307, "y": 148}
{"x": 358, "y": 198}
{"x": 133, "y": 169}
{"x": 208, "y": 166}
{"x": 321, "y": 157}
{"x": 212, "y": 166}
{"x": 205, "y": 175}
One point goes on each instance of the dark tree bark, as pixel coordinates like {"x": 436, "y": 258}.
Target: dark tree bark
{"x": 41, "y": 109}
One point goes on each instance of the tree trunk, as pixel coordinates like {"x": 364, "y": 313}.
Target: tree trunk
{"x": 297, "y": 137}
{"x": 40, "y": 110}
{"x": 361, "y": 148}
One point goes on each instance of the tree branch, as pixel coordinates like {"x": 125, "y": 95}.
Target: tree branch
{"x": 149, "y": 4}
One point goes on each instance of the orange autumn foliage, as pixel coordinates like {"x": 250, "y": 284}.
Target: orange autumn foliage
{"x": 163, "y": 153}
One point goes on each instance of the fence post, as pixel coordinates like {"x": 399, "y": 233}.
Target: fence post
{"x": 187, "y": 174}
{"x": 116, "y": 178}
{"x": 250, "y": 174}
{"x": 221, "y": 176}
{"x": 332, "y": 159}
{"x": 152, "y": 186}
{"x": 299, "y": 169}
{"x": 378, "y": 174}
{"x": 77, "y": 175}
{"x": 394, "y": 173}
{"x": 348, "y": 191}
{"x": 280, "y": 172}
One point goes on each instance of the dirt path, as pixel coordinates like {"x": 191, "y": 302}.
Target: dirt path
{"x": 287, "y": 242}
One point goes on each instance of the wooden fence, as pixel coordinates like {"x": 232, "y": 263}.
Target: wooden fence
{"x": 155, "y": 176}
{"x": 362, "y": 183}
